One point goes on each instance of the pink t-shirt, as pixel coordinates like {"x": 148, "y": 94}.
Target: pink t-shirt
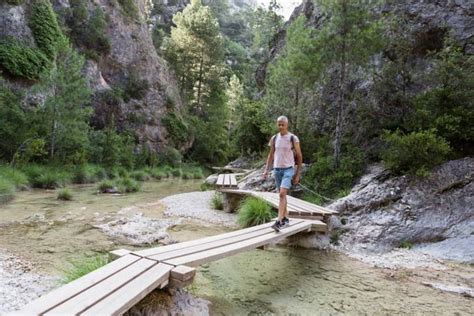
{"x": 284, "y": 156}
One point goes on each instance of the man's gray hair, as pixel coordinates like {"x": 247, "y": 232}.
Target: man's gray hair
{"x": 282, "y": 119}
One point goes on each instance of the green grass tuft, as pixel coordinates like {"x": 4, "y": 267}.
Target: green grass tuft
{"x": 45, "y": 177}
{"x": 105, "y": 185}
{"x": 127, "y": 185}
{"x": 217, "y": 201}
{"x": 15, "y": 176}
{"x": 140, "y": 175}
{"x": 65, "y": 194}
{"x": 406, "y": 244}
{"x": 82, "y": 266}
{"x": 7, "y": 189}
{"x": 255, "y": 211}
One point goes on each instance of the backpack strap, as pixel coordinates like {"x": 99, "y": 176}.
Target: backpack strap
{"x": 292, "y": 138}
{"x": 273, "y": 140}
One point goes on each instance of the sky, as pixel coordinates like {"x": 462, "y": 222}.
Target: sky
{"x": 287, "y": 6}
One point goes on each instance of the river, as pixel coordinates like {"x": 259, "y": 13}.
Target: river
{"x": 46, "y": 232}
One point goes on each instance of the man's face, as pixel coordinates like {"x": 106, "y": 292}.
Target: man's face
{"x": 282, "y": 126}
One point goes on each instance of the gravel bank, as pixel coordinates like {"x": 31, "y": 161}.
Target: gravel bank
{"x": 197, "y": 206}
{"x": 19, "y": 284}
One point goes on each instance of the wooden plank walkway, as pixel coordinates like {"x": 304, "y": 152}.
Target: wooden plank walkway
{"x": 227, "y": 180}
{"x": 296, "y": 207}
{"x": 114, "y": 288}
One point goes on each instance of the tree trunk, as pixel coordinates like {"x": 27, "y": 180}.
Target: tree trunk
{"x": 199, "y": 92}
{"x": 341, "y": 95}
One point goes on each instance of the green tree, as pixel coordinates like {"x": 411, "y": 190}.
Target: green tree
{"x": 234, "y": 93}
{"x": 195, "y": 50}
{"x": 348, "y": 37}
{"x": 63, "y": 119}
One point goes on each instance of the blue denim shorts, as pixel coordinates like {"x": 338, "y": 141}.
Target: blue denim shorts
{"x": 283, "y": 177}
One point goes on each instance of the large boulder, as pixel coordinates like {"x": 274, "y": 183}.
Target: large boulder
{"x": 435, "y": 214}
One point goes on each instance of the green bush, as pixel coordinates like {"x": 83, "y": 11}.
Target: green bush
{"x": 45, "y": 28}
{"x": 127, "y": 185}
{"x": 329, "y": 181}
{"x": 80, "y": 267}
{"x": 65, "y": 194}
{"x": 171, "y": 156}
{"x": 217, "y": 201}
{"x": 414, "y": 153}
{"x": 139, "y": 175}
{"x": 158, "y": 173}
{"x": 255, "y": 211}
{"x": 129, "y": 8}
{"x": 87, "y": 173}
{"x": 176, "y": 127}
{"x": 135, "y": 88}
{"x": 15, "y": 176}
{"x": 22, "y": 61}
{"x": 7, "y": 189}
{"x": 45, "y": 177}
{"x": 177, "y": 172}
{"x": 187, "y": 175}
{"x": 105, "y": 185}
{"x": 406, "y": 244}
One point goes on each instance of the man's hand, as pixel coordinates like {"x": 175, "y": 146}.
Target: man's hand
{"x": 265, "y": 174}
{"x": 296, "y": 179}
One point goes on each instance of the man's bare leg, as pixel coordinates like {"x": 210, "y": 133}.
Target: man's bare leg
{"x": 282, "y": 206}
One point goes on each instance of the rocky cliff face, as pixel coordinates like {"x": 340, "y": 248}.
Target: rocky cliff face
{"x": 132, "y": 54}
{"x": 428, "y": 21}
{"x": 434, "y": 215}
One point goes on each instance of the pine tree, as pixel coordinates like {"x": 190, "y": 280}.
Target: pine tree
{"x": 195, "y": 50}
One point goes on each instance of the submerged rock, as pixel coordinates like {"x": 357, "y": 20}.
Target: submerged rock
{"x": 139, "y": 230}
{"x": 436, "y": 214}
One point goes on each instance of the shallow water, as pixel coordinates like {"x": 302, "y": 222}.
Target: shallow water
{"x": 282, "y": 281}
{"x": 296, "y": 281}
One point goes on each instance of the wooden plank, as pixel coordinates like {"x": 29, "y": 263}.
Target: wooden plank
{"x": 308, "y": 217}
{"x": 183, "y": 273}
{"x": 179, "y": 284}
{"x": 65, "y": 292}
{"x": 232, "y": 249}
{"x": 318, "y": 226}
{"x": 297, "y": 207}
{"x": 220, "y": 180}
{"x": 181, "y": 245}
{"x": 119, "y": 253}
{"x": 131, "y": 293}
{"x": 96, "y": 293}
{"x": 214, "y": 244}
{"x": 226, "y": 180}
{"x": 233, "y": 180}
{"x": 309, "y": 204}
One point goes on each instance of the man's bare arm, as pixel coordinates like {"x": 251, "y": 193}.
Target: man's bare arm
{"x": 299, "y": 162}
{"x": 269, "y": 161}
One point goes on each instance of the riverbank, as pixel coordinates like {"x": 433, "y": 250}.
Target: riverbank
{"x": 164, "y": 212}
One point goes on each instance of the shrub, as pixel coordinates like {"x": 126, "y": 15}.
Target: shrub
{"x": 15, "y": 176}
{"x": 82, "y": 266}
{"x": 6, "y": 190}
{"x": 176, "y": 127}
{"x": 217, "y": 201}
{"x": 46, "y": 177}
{"x": 406, "y": 244}
{"x": 136, "y": 88}
{"x": 413, "y": 153}
{"x": 139, "y": 175}
{"x": 22, "y": 61}
{"x": 254, "y": 211}
{"x": 87, "y": 173}
{"x": 171, "y": 156}
{"x": 45, "y": 28}
{"x": 177, "y": 172}
{"x": 187, "y": 175}
{"x": 105, "y": 185}
{"x": 65, "y": 194}
{"x": 129, "y": 8}
{"x": 127, "y": 185}
{"x": 329, "y": 181}
{"x": 158, "y": 173}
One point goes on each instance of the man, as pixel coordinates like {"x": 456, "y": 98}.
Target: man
{"x": 284, "y": 146}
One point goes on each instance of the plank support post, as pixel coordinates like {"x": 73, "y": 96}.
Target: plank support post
{"x": 181, "y": 276}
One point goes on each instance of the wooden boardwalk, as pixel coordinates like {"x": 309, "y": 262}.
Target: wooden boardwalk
{"x": 226, "y": 180}
{"x": 114, "y": 288}
{"x": 297, "y": 208}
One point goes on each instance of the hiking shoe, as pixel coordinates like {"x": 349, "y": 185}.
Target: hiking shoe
{"x": 276, "y": 226}
{"x": 285, "y": 222}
